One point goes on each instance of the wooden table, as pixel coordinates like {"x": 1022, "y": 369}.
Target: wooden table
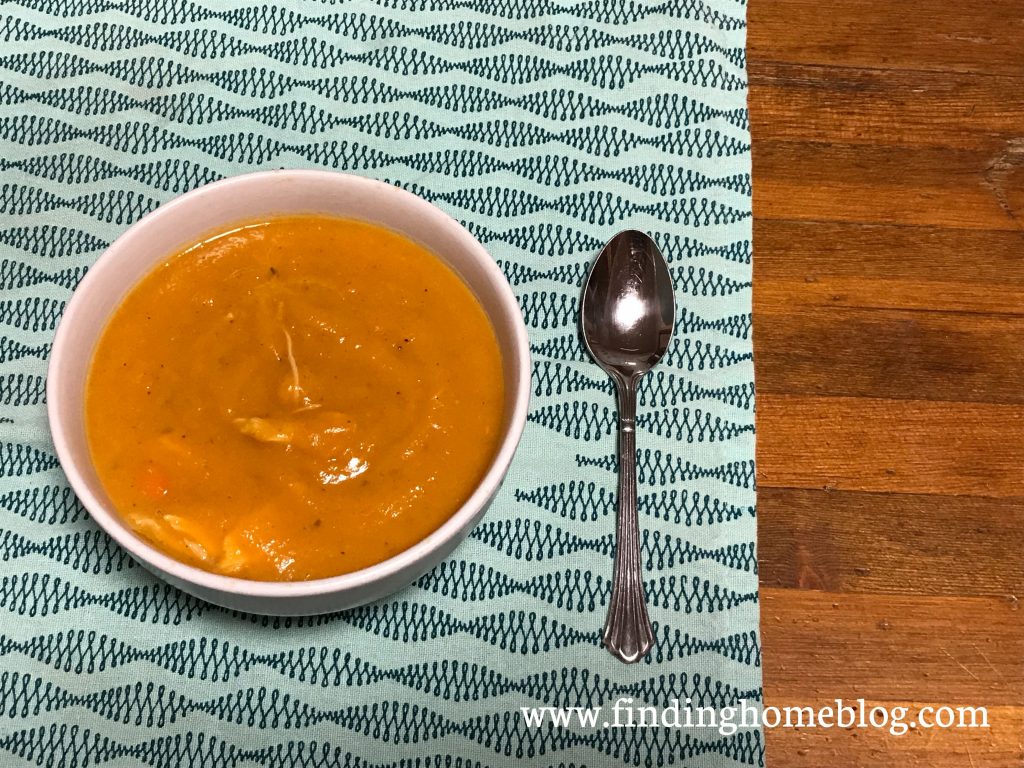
{"x": 889, "y": 346}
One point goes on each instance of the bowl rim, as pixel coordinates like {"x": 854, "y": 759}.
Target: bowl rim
{"x": 453, "y": 527}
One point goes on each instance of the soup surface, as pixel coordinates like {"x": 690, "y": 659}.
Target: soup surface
{"x": 294, "y": 399}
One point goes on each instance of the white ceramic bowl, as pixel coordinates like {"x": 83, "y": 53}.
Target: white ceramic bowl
{"x": 216, "y": 207}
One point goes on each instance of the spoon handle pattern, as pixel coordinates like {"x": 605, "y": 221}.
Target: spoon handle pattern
{"x": 627, "y": 630}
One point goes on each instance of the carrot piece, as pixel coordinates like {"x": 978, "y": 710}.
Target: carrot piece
{"x": 154, "y": 483}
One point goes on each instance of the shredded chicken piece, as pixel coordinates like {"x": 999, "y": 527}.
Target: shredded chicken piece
{"x": 295, "y": 390}
{"x": 233, "y": 558}
{"x": 191, "y": 537}
{"x": 265, "y": 430}
{"x": 296, "y": 385}
{"x": 147, "y": 526}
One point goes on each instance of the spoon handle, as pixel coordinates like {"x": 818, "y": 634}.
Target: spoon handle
{"x": 627, "y": 630}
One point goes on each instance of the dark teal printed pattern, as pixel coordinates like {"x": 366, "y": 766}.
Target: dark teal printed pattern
{"x": 544, "y": 126}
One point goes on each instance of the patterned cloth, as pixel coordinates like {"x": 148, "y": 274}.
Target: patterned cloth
{"x": 545, "y": 127}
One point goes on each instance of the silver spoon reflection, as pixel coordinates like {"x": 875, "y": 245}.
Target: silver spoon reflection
{"x": 627, "y": 316}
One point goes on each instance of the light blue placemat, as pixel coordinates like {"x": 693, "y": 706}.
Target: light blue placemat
{"x": 545, "y": 127}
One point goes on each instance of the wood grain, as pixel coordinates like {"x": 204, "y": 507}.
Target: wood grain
{"x": 898, "y": 648}
{"x": 888, "y": 146}
{"x": 892, "y": 651}
{"x": 931, "y": 35}
{"x": 896, "y": 446}
{"x": 930, "y": 186}
{"x": 835, "y": 350}
{"x": 861, "y": 106}
{"x": 902, "y": 544}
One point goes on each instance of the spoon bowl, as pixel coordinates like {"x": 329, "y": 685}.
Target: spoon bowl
{"x": 628, "y": 305}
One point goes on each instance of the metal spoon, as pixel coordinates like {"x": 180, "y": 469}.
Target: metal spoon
{"x": 627, "y": 317}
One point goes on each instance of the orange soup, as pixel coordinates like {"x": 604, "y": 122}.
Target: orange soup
{"x": 294, "y": 399}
